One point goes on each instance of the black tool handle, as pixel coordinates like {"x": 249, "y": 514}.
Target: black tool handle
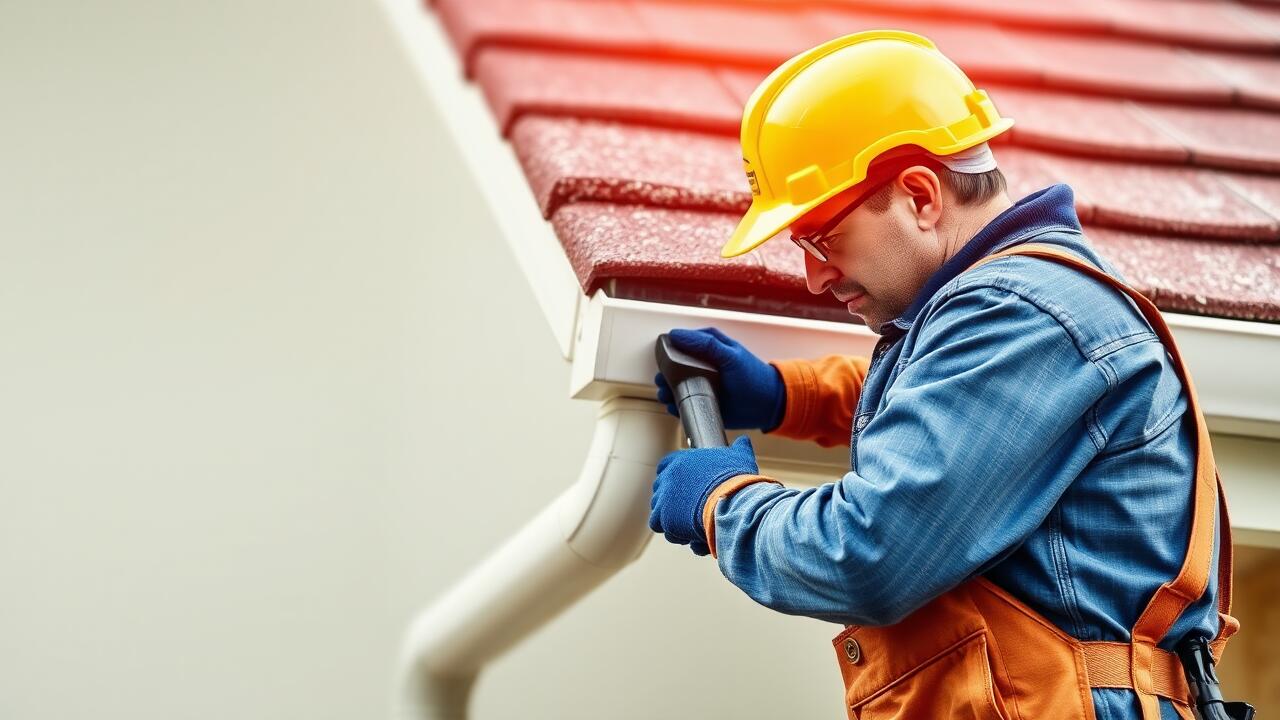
{"x": 1197, "y": 663}
{"x": 693, "y": 382}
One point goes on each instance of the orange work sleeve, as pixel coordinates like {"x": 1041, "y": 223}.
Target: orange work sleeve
{"x": 821, "y": 397}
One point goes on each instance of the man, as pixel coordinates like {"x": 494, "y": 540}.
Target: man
{"x": 1027, "y": 468}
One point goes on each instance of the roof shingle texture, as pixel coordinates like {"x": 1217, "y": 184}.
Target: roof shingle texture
{"x": 1163, "y": 115}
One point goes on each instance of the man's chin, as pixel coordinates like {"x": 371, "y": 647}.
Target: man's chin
{"x": 873, "y": 323}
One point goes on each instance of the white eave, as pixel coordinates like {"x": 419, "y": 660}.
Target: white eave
{"x": 610, "y": 340}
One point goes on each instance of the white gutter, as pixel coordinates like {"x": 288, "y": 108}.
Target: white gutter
{"x": 599, "y": 524}
{"x": 1234, "y": 363}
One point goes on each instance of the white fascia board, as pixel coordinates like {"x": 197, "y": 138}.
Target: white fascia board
{"x": 495, "y": 171}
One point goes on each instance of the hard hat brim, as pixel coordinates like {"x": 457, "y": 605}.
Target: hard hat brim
{"x": 758, "y": 227}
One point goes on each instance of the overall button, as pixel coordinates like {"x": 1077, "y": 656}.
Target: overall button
{"x": 852, "y": 650}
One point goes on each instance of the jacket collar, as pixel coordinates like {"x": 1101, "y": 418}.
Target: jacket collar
{"x": 1052, "y": 208}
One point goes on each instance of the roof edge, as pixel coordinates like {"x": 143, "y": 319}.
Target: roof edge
{"x": 495, "y": 171}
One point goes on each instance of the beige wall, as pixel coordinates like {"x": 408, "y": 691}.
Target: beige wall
{"x": 269, "y": 380}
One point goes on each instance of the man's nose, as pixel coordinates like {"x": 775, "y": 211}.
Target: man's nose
{"x": 818, "y": 275}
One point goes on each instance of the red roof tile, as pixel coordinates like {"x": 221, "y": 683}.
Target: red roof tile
{"x": 1256, "y": 79}
{"x": 1132, "y": 70}
{"x": 1200, "y": 23}
{"x": 756, "y": 36}
{"x": 648, "y": 253}
{"x": 677, "y": 95}
{"x": 1243, "y": 281}
{"x": 605, "y": 240}
{"x": 1087, "y": 16}
{"x": 568, "y": 160}
{"x": 980, "y": 48}
{"x": 1164, "y": 199}
{"x": 1222, "y": 137}
{"x": 1088, "y": 125}
{"x": 473, "y": 24}
{"x": 625, "y": 116}
{"x": 1026, "y": 172}
{"x": 1261, "y": 190}
{"x": 1263, "y": 15}
{"x": 741, "y": 82}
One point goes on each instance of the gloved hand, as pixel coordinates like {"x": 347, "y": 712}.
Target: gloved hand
{"x": 685, "y": 480}
{"x": 751, "y": 395}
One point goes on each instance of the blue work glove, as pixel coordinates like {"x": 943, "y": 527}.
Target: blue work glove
{"x": 751, "y": 394}
{"x": 685, "y": 481}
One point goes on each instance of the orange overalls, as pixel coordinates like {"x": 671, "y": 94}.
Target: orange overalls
{"x": 976, "y": 652}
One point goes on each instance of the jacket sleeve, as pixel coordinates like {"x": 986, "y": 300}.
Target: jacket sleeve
{"x": 821, "y": 398}
{"x": 723, "y": 492}
{"x": 980, "y": 434}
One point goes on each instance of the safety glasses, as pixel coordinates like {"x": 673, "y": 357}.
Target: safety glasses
{"x": 816, "y": 243}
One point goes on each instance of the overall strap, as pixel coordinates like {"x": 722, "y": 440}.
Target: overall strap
{"x": 1173, "y": 597}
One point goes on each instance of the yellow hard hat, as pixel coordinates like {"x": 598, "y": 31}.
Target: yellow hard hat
{"x": 812, "y": 128}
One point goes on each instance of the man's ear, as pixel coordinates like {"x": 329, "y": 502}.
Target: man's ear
{"x": 924, "y": 188}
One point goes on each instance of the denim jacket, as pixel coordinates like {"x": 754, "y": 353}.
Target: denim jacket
{"x": 1020, "y": 421}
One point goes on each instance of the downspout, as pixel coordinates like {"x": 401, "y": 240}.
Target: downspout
{"x": 588, "y": 533}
